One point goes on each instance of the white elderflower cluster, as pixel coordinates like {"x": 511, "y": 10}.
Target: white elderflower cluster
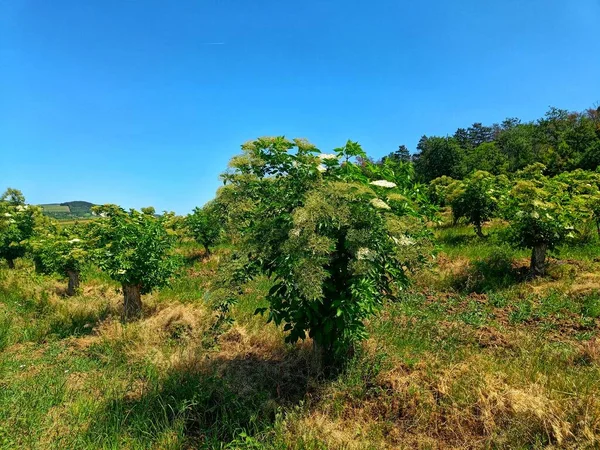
{"x": 379, "y": 204}
{"x": 363, "y": 253}
{"x": 383, "y": 183}
{"x": 323, "y": 156}
{"x": 405, "y": 241}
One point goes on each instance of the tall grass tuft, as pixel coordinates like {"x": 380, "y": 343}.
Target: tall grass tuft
{"x": 5, "y": 327}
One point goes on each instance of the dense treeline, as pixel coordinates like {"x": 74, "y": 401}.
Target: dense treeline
{"x": 561, "y": 140}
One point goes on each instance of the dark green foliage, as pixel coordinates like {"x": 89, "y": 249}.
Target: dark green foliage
{"x": 486, "y": 157}
{"x": 205, "y": 225}
{"x": 561, "y": 140}
{"x": 438, "y": 156}
{"x": 517, "y": 143}
{"x": 400, "y": 155}
{"x": 474, "y": 136}
{"x": 477, "y": 199}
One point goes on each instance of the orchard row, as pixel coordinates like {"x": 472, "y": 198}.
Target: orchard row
{"x": 336, "y": 233}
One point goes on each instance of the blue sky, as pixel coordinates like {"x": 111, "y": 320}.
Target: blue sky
{"x": 143, "y": 102}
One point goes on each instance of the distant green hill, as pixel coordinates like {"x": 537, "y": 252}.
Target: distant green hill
{"x": 68, "y": 210}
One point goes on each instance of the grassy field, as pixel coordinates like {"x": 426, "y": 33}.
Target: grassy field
{"x": 475, "y": 356}
{"x": 68, "y": 211}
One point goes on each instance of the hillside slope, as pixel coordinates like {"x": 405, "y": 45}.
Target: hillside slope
{"x": 68, "y": 210}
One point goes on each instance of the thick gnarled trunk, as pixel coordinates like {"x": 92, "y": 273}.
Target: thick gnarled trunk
{"x": 73, "y": 285}
{"x": 132, "y": 301}
{"x": 11, "y": 263}
{"x": 538, "y": 260}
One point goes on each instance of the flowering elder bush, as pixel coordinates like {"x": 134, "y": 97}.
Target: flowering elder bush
{"x": 400, "y": 172}
{"x": 342, "y": 164}
{"x": 346, "y": 253}
{"x": 392, "y": 199}
{"x": 541, "y": 216}
{"x": 584, "y": 189}
{"x": 63, "y": 251}
{"x": 175, "y": 225}
{"x": 532, "y": 172}
{"x": 262, "y": 188}
{"x": 477, "y": 198}
{"x": 204, "y": 225}
{"x": 411, "y": 197}
{"x": 135, "y": 249}
{"x": 333, "y": 248}
{"x": 438, "y": 190}
{"x": 17, "y": 222}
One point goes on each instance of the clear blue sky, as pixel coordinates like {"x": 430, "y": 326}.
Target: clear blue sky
{"x": 144, "y": 102}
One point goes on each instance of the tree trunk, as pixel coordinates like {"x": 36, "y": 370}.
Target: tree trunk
{"x": 598, "y": 226}
{"x": 39, "y": 267}
{"x": 11, "y": 263}
{"x": 132, "y": 301}
{"x": 73, "y": 285}
{"x": 538, "y": 260}
{"x": 478, "y": 230}
{"x": 324, "y": 359}
{"x": 319, "y": 356}
{"x": 207, "y": 250}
